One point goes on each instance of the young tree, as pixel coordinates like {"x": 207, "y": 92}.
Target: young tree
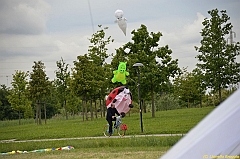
{"x": 63, "y": 76}
{"x": 46, "y": 94}
{"x": 97, "y": 52}
{"x": 188, "y": 86}
{"x": 39, "y": 88}
{"x": 73, "y": 103}
{"x": 18, "y": 94}
{"x": 158, "y": 63}
{"x": 200, "y": 84}
{"x": 83, "y": 80}
{"x": 217, "y": 58}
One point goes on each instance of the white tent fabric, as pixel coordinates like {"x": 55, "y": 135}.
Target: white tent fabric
{"x": 216, "y": 136}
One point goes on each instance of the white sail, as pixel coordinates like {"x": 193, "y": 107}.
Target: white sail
{"x": 216, "y": 136}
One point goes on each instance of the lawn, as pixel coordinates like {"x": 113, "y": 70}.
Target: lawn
{"x": 165, "y": 122}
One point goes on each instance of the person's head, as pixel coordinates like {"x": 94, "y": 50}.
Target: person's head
{"x": 113, "y": 105}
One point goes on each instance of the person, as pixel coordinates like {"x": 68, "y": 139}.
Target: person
{"x": 110, "y": 117}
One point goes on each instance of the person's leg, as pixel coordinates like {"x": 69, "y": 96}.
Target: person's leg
{"x": 110, "y": 126}
{"x": 114, "y": 119}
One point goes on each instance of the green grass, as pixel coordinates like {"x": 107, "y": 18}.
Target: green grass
{"x": 108, "y": 143}
{"x": 99, "y": 153}
{"x": 169, "y": 122}
{"x": 165, "y": 122}
{"x": 144, "y": 147}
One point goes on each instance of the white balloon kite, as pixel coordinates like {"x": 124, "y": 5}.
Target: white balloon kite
{"x": 121, "y": 20}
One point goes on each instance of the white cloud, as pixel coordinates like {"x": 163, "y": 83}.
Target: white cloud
{"x": 23, "y": 17}
{"x": 181, "y": 41}
{"x": 50, "y": 29}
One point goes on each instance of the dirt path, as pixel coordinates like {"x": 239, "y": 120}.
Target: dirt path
{"x": 82, "y": 138}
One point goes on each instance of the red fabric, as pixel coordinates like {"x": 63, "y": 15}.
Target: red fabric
{"x": 112, "y": 95}
{"x": 123, "y": 127}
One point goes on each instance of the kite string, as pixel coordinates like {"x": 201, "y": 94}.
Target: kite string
{"x": 89, "y": 6}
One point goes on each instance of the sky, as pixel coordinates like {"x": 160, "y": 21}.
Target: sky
{"x": 48, "y": 30}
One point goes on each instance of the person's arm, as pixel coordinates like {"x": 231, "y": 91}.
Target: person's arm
{"x": 117, "y": 112}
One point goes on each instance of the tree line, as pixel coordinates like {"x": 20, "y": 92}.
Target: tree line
{"x": 82, "y": 89}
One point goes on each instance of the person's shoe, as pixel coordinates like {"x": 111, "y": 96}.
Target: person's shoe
{"x": 109, "y": 134}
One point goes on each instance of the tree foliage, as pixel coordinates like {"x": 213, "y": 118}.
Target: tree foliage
{"x": 6, "y": 112}
{"x": 62, "y": 81}
{"x": 83, "y": 78}
{"x": 188, "y": 86}
{"x": 39, "y": 88}
{"x": 167, "y": 102}
{"x": 158, "y": 63}
{"x": 90, "y": 71}
{"x": 18, "y": 95}
{"x": 98, "y": 50}
{"x": 90, "y": 80}
{"x": 217, "y": 58}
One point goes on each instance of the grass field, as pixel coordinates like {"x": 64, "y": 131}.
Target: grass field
{"x": 165, "y": 122}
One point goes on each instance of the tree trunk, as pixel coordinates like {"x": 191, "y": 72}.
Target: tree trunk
{"x": 83, "y": 108}
{"x": 91, "y": 110}
{"x": 153, "y": 107}
{"x": 19, "y": 117}
{"x": 39, "y": 113}
{"x": 45, "y": 113}
{"x": 36, "y": 119}
{"x": 144, "y": 106}
{"x": 104, "y": 107}
{"x": 86, "y": 110}
{"x": 95, "y": 106}
{"x": 101, "y": 107}
{"x": 65, "y": 107}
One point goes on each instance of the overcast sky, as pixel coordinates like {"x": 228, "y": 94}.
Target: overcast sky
{"x": 46, "y": 30}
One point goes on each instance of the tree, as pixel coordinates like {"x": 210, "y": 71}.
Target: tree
{"x": 52, "y": 101}
{"x": 18, "y": 94}
{"x": 217, "y": 58}
{"x": 97, "y": 53}
{"x": 39, "y": 88}
{"x": 6, "y": 112}
{"x": 167, "y": 102}
{"x": 63, "y": 76}
{"x": 188, "y": 86}
{"x": 98, "y": 50}
{"x": 48, "y": 100}
{"x": 157, "y": 61}
{"x": 200, "y": 84}
{"x": 73, "y": 103}
{"x": 83, "y": 80}
{"x": 183, "y": 87}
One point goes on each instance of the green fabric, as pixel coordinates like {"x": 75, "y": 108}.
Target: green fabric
{"x": 121, "y": 73}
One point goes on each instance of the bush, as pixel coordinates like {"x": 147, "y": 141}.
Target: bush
{"x": 167, "y": 102}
